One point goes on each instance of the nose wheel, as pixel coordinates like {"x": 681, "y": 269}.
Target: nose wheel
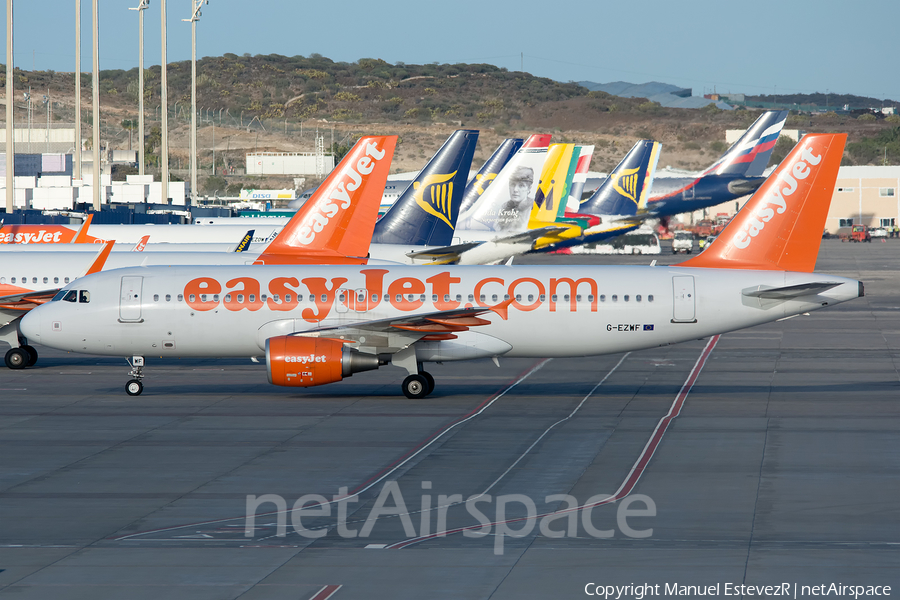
{"x": 17, "y": 358}
{"x": 134, "y": 387}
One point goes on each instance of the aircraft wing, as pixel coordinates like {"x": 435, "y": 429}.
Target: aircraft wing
{"x": 396, "y": 333}
{"x": 33, "y": 297}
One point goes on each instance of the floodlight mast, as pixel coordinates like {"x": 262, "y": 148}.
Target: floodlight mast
{"x": 95, "y": 126}
{"x": 164, "y": 117}
{"x": 195, "y": 16}
{"x": 145, "y": 4}
{"x": 78, "y": 89}
{"x": 10, "y": 137}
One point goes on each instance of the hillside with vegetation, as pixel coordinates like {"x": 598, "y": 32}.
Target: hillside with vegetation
{"x": 272, "y": 102}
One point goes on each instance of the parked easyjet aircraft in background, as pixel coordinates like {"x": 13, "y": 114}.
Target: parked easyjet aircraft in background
{"x": 334, "y": 227}
{"x": 319, "y": 324}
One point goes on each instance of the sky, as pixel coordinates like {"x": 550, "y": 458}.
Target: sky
{"x": 760, "y": 47}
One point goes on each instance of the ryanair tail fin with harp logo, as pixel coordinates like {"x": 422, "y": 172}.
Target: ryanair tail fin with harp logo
{"x": 626, "y": 189}
{"x": 425, "y": 213}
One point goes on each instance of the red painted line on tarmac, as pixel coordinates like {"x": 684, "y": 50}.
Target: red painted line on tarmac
{"x": 631, "y": 479}
{"x": 326, "y": 592}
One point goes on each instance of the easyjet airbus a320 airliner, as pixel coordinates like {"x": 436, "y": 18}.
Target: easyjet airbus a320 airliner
{"x": 319, "y": 324}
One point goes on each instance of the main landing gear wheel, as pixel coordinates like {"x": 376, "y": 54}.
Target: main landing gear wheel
{"x": 415, "y": 387}
{"x": 429, "y": 379}
{"x": 17, "y": 358}
{"x": 134, "y": 388}
{"x": 32, "y": 354}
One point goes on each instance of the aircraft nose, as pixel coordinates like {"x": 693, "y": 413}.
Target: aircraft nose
{"x": 30, "y": 325}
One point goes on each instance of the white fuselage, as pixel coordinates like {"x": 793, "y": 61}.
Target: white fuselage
{"x": 613, "y": 309}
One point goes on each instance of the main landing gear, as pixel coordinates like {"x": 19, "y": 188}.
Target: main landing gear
{"x": 134, "y": 387}
{"x": 418, "y": 385}
{"x": 21, "y": 357}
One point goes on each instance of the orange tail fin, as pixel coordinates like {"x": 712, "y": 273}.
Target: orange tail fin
{"x": 780, "y": 228}
{"x": 335, "y": 225}
{"x": 81, "y": 237}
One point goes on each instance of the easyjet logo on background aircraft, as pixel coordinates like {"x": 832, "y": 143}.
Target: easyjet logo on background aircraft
{"x": 325, "y": 209}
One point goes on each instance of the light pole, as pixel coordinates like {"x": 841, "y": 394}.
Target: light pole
{"x": 78, "y": 89}
{"x": 95, "y": 127}
{"x": 10, "y": 139}
{"x": 195, "y": 16}
{"x": 144, "y": 5}
{"x": 164, "y": 140}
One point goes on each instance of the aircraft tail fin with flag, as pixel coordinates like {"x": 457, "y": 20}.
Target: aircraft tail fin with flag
{"x": 425, "y": 214}
{"x": 335, "y": 225}
{"x": 780, "y": 227}
{"x": 749, "y": 156}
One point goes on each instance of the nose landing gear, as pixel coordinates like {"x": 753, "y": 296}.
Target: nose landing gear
{"x": 134, "y": 387}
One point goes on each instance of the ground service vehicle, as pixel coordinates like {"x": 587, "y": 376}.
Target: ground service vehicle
{"x": 860, "y": 233}
{"x": 683, "y": 242}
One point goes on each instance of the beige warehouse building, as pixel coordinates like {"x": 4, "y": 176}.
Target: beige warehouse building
{"x": 865, "y": 196}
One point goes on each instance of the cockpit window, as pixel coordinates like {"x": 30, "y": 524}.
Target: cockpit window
{"x": 84, "y": 297}
{"x": 71, "y": 296}
{"x": 59, "y": 295}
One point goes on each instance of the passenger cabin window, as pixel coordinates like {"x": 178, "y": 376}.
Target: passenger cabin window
{"x": 650, "y": 298}
{"x": 180, "y": 298}
{"x": 156, "y": 297}
{"x": 56, "y": 280}
{"x": 46, "y": 280}
{"x": 168, "y": 297}
{"x": 84, "y": 297}
{"x": 66, "y": 280}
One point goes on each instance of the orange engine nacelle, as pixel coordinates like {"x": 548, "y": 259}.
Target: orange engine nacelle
{"x": 304, "y": 362}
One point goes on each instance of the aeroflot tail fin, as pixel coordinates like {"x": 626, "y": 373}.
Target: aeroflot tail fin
{"x": 425, "y": 214}
{"x": 338, "y": 219}
{"x": 628, "y": 186}
{"x": 81, "y": 236}
{"x": 749, "y": 156}
{"x": 780, "y": 227}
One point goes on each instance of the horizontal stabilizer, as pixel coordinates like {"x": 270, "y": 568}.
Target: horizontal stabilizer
{"x": 531, "y": 235}
{"x": 444, "y": 251}
{"x": 792, "y": 291}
